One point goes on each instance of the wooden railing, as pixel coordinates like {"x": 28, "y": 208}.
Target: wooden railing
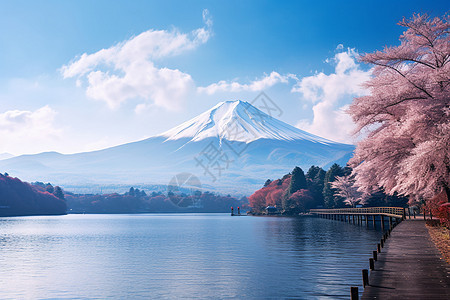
{"x": 396, "y": 212}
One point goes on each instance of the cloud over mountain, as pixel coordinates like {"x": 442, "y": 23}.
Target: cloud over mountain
{"x": 329, "y": 94}
{"x": 261, "y": 84}
{"x": 128, "y": 70}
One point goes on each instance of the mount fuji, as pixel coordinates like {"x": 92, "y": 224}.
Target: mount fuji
{"x": 232, "y": 148}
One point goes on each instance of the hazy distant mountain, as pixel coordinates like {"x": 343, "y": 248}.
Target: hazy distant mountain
{"x": 233, "y": 147}
{"x": 5, "y": 155}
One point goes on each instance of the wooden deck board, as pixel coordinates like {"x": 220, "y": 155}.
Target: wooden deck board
{"x": 409, "y": 267}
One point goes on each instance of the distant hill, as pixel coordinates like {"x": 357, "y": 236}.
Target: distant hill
{"x": 18, "y": 198}
{"x": 137, "y": 201}
{"x": 231, "y": 148}
{"x": 5, "y": 155}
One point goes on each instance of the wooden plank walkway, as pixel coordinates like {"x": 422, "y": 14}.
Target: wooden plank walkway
{"x": 409, "y": 267}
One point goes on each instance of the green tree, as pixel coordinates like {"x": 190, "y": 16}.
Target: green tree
{"x": 49, "y": 188}
{"x": 330, "y": 200}
{"x": 315, "y": 179}
{"x": 298, "y": 182}
{"x": 312, "y": 172}
{"x": 58, "y": 193}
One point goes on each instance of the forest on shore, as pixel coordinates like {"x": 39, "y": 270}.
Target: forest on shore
{"x": 18, "y": 198}
{"x": 138, "y": 201}
{"x": 298, "y": 192}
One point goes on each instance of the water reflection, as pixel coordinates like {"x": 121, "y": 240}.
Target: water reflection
{"x": 181, "y": 256}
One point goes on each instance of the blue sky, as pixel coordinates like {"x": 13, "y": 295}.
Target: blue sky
{"x": 165, "y": 62}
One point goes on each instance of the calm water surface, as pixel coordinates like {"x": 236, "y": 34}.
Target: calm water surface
{"x": 181, "y": 256}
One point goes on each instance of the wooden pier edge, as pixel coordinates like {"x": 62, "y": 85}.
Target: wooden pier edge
{"x": 409, "y": 267}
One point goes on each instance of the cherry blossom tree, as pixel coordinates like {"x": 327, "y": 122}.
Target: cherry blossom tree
{"x": 346, "y": 188}
{"x": 406, "y": 115}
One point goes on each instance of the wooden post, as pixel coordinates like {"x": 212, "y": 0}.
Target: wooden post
{"x": 382, "y": 243}
{"x": 371, "y": 263}
{"x": 390, "y": 222}
{"x": 365, "y": 275}
{"x": 431, "y": 215}
{"x": 409, "y": 213}
{"x": 414, "y": 213}
{"x": 367, "y": 220}
{"x": 378, "y": 248}
{"x": 424, "y": 212}
{"x": 354, "y": 293}
{"x": 375, "y": 255}
{"x": 382, "y": 222}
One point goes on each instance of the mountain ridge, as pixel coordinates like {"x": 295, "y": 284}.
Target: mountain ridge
{"x": 203, "y": 146}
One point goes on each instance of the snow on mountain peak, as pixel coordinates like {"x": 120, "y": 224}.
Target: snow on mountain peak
{"x": 238, "y": 121}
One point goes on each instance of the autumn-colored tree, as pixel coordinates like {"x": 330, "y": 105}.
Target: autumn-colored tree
{"x": 300, "y": 201}
{"x": 440, "y": 208}
{"x": 19, "y": 198}
{"x": 407, "y": 113}
{"x": 272, "y": 194}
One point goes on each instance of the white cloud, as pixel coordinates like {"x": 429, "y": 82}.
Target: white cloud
{"x": 127, "y": 70}
{"x": 28, "y": 131}
{"x": 330, "y": 94}
{"x": 256, "y": 85}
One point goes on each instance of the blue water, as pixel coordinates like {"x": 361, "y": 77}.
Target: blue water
{"x": 176, "y": 256}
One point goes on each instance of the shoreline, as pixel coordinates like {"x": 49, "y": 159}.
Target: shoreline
{"x": 441, "y": 239}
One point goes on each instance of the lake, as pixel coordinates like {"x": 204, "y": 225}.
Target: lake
{"x": 176, "y": 256}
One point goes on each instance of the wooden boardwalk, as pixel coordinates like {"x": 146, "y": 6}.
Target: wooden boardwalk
{"x": 409, "y": 267}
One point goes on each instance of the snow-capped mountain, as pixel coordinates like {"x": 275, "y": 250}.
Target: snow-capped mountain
{"x": 238, "y": 121}
{"x": 233, "y": 147}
